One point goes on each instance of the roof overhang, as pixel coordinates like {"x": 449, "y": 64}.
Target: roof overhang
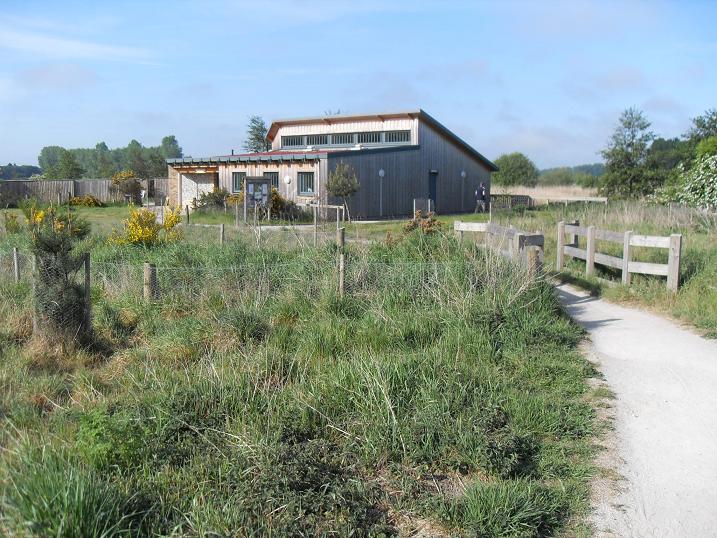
{"x": 183, "y": 162}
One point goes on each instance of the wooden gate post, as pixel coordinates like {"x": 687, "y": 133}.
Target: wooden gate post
{"x": 236, "y": 215}
{"x": 16, "y": 264}
{"x": 186, "y": 209}
{"x": 673, "y": 262}
{"x": 590, "y": 256}
{"x": 151, "y": 291}
{"x": 626, "y": 258}
{"x": 88, "y": 297}
{"x": 341, "y": 237}
{"x": 560, "y": 246}
{"x": 221, "y": 234}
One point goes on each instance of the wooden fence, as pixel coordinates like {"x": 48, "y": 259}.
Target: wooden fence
{"x": 50, "y": 190}
{"x": 510, "y": 242}
{"x": 628, "y": 239}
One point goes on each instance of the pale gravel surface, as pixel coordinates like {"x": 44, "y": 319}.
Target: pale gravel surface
{"x": 665, "y": 382}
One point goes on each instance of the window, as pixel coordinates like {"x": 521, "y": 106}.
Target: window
{"x": 238, "y": 181}
{"x": 306, "y": 183}
{"x": 342, "y": 138}
{"x": 317, "y": 140}
{"x": 274, "y": 176}
{"x": 369, "y": 138}
{"x": 291, "y": 141}
{"x": 398, "y": 136}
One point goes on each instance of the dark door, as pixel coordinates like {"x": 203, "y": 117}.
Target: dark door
{"x": 432, "y": 186}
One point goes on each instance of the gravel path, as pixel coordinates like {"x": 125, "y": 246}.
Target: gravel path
{"x": 665, "y": 381}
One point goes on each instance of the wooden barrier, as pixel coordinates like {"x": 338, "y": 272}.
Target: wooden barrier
{"x": 519, "y": 245}
{"x": 628, "y": 239}
{"x": 58, "y": 191}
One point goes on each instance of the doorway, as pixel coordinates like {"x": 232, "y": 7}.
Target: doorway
{"x": 433, "y": 186}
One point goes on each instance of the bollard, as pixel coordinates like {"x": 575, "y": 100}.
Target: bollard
{"x": 151, "y": 291}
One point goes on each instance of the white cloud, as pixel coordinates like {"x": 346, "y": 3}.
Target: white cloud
{"x": 60, "y": 47}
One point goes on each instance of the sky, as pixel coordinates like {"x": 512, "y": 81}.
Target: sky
{"x": 548, "y": 79}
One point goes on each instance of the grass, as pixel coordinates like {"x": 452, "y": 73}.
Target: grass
{"x": 252, "y": 400}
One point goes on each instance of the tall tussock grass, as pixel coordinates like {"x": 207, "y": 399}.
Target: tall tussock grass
{"x": 252, "y": 400}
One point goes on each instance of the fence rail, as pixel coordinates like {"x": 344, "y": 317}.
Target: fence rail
{"x": 628, "y": 239}
{"x": 519, "y": 245}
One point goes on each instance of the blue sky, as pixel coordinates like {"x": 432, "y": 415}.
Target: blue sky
{"x": 545, "y": 78}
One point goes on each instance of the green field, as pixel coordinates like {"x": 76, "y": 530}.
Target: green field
{"x": 445, "y": 391}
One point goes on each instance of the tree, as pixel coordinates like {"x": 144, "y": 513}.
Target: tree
{"x": 169, "y": 149}
{"x": 135, "y": 160}
{"x": 515, "y": 169}
{"x": 104, "y": 167}
{"x": 703, "y": 126}
{"x": 256, "y": 132}
{"x": 627, "y": 171}
{"x": 708, "y": 146}
{"x": 67, "y": 168}
{"x": 342, "y": 183}
{"x": 49, "y": 158}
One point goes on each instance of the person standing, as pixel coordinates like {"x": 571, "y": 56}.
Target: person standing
{"x": 480, "y": 195}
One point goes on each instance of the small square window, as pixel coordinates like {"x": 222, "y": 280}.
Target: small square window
{"x": 306, "y": 183}
{"x": 238, "y": 181}
{"x": 274, "y": 176}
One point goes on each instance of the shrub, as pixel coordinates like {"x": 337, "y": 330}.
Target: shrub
{"x": 426, "y": 223}
{"x": 698, "y": 185}
{"x": 212, "y": 200}
{"x": 142, "y": 228}
{"x": 126, "y": 183}
{"x": 86, "y": 201}
{"x": 12, "y": 224}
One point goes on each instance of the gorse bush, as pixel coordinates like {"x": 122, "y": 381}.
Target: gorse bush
{"x": 12, "y": 224}
{"x": 142, "y": 228}
{"x": 86, "y": 201}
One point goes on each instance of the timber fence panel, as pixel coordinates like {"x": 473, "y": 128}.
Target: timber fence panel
{"x": 673, "y": 244}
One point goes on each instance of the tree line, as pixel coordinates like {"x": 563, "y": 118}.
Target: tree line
{"x": 18, "y": 171}
{"x": 637, "y": 163}
{"x": 57, "y": 162}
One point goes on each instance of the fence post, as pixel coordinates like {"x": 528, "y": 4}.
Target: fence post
{"x": 518, "y": 242}
{"x": 221, "y": 234}
{"x": 673, "y": 262}
{"x": 186, "y": 209}
{"x": 236, "y": 214}
{"x": 15, "y": 264}
{"x": 88, "y": 297}
{"x": 590, "y": 257}
{"x": 533, "y": 260}
{"x": 560, "y": 246}
{"x": 340, "y": 243}
{"x": 151, "y": 291}
{"x": 316, "y": 228}
{"x": 34, "y": 294}
{"x": 626, "y": 258}
{"x": 574, "y": 237}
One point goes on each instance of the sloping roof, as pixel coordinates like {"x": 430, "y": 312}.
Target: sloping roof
{"x": 420, "y": 114}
